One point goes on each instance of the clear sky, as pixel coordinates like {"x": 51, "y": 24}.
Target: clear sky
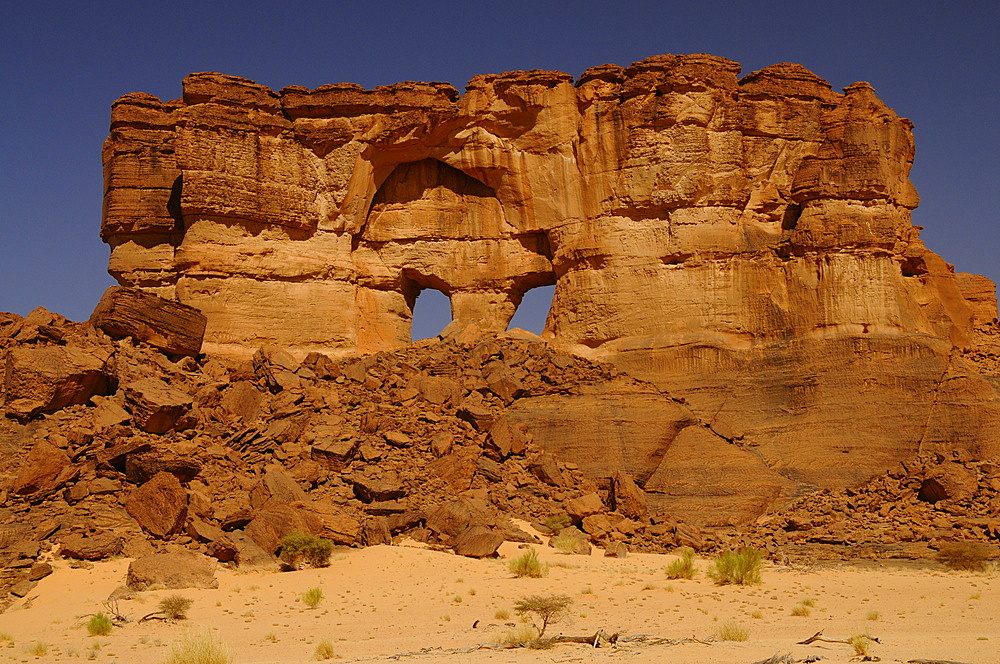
{"x": 63, "y": 63}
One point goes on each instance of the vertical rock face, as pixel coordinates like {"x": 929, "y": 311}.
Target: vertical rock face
{"x": 744, "y": 243}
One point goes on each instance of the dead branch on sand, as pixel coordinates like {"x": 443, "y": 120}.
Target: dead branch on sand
{"x": 597, "y": 640}
{"x": 818, "y": 636}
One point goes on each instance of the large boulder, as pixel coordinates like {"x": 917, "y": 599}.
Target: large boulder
{"x": 174, "y": 328}
{"x": 47, "y": 379}
{"x": 45, "y": 469}
{"x": 174, "y": 570}
{"x": 90, "y": 547}
{"x": 627, "y": 498}
{"x": 155, "y": 406}
{"x": 477, "y": 542}
{"x": 159, "y": 505}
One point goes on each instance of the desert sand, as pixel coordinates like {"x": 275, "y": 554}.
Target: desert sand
{"x": 386, "y": 601}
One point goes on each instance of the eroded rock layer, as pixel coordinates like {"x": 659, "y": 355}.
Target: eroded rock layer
{"x": 744, "y": 244}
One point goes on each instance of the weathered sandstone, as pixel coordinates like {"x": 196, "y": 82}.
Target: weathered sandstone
{"x": 743, "y": 244}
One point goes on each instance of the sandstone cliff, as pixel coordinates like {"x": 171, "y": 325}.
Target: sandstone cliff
{"x": 744, "y": 244}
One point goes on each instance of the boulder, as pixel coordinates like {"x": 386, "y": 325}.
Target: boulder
{"x": 947, "y": 481}
{"x": 140, "y": 468}
{"x": 174, "y": 570}
{"x": 627, "y": 498}
{"x": 616, "y": 550}
{"x": 584, "y": 506}
{"x": 90, "y": 547}
{"x": 45, "y": 469}
{"x": 505, "y": 439}
{"x": 172, "y": 327}
{"x": 159, "y": 505}
{"x": 39, "y": 571}
{"x": 477, "y": 542}
{"x": 384, "y": 486}
{"x": 22, "y": 588}
{"x": 276, "y": 485}
{"x": 334, "y": 454}
{"x": 376, "y": 531}
{"x": 47, "y": 379}
{"x": 155, "y": 406}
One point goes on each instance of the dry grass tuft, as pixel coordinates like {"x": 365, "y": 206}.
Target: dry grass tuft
{"x": 733, "y": 631}
{"x": 312, "y": 597}
{"x": 740, "y": 567}
{"x": 528, "y": 565}
{"x": 200, "y": 648}
{"x": 683, "y": 567}
{"x": 324, "y": 650}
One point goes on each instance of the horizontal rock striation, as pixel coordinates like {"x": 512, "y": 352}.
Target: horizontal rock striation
{"x": 744, "y": 244}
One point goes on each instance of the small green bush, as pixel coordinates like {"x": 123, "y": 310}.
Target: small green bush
{"x": 556, "y": 522}
{"x": 312, "y": 597}
{"x": 199, "y": 648}
{"x": 528, "y": 565}
{"x": 297, "y": 546}
{"x": 175, "y": 607}
{"x": 683, "y": 567}
{"x": 740, "y": 567}
{"x": 99, "y": 625}
{"x": 734, "y": 631}
{"x": 965, "y": 555}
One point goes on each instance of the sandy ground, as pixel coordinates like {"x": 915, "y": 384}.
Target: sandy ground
{"x": 385, "y": 601}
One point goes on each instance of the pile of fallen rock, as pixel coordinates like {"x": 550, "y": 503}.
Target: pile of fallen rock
{"x": 907, "y": 512}
{"x": 120, "y": 439}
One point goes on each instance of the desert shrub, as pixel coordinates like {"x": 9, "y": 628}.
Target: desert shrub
{"x": 297, "y": 546}
{"x": 740, "y": 567}
{"x": 502, "y": 614}
{"x": 872, "y": 615}
{"x": 545, "y": 609}
{"x": 683, "y": 567}
{"x": 861, "y": 644}
{"x": 324, "y": 650}
{"x": 175, "y": 607}
{"x": 199, "y": 648}
{"x": 528, "y": 565}
{"x": 733, "y": 631}
{"x": 556, "y": 522}
{"x": 99, "y": 625}
{"x": 312, "y": 597}
{"x": 965, "y": 555}
{"x": 801, "y": 610}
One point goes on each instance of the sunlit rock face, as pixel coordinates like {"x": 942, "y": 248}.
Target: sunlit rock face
{"x": 742, "y": 243}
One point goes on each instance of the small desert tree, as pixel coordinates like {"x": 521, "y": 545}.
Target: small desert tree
{"x": 545, "y": 609}
{"x": 297, "y": 546}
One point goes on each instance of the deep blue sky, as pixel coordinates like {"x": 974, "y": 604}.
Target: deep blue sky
{"x": 63, "y": 63}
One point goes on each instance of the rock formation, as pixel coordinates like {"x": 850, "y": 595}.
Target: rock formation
{"x": 744, "y": 244}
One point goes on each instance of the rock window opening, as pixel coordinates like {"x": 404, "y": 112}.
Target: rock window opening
{"x": 431, "y": 314}
{"x": 533, "y": 311}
